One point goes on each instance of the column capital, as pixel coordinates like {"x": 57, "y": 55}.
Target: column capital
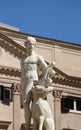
{"x": 57, "y": 94}
{"x": 16, "y": 88}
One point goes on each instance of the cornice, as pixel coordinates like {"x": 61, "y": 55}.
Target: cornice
{"x": 60, "y": 78}
{"x": 67, "y": 80}
{"x": 10, "y": 71}
{"x": 42, "y": 39}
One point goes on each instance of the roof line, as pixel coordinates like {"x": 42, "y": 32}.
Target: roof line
{"x": 52, "y": 39}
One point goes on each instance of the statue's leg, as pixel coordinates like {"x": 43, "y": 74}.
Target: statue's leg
{"x": 27, "y": 114}
{"x": 35, "y": 124}
{"x": 27, "y": 101}
{"x": 41, "y": 122}
{"x": 49, "y": 124}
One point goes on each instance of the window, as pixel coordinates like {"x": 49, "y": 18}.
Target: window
{"x": 1, "y": 92}
{"x": 70, "y": 104}
{"x": 64, "y": 104}
{"x": 5, "y": 94}
{"x": 4, "y": 125}
{"x": 78, "y": 105}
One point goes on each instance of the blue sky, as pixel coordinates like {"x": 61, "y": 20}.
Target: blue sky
{"x": 57, "y": 19}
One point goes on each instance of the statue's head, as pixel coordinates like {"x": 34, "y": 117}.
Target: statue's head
{"x": 31, "y": 41}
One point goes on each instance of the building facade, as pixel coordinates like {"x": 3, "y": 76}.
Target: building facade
{"x": 65, "y": 101}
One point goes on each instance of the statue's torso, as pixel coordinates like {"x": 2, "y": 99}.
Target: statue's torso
{"x": 30, "y": 67}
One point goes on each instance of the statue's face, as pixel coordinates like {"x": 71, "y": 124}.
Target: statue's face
{"x": 30, "y": 45}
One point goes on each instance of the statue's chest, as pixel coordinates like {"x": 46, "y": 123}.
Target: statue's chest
{"x": 30, "y": 60}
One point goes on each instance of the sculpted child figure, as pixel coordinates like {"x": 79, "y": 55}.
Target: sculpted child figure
{"x": 29, "y": 74}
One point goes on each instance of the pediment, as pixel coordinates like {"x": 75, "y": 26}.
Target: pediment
{"x": 67, "y": 80}
{"x": 11, "y": 46}
{"x": 10, "y": 55}
{"x": 8, "y": 59}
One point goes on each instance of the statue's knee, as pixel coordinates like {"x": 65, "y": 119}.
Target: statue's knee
{"x": 42, "y": 117}
{"x": 49, "y": 122}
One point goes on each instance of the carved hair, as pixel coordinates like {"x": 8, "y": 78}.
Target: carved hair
{"x": 30, "y": 39}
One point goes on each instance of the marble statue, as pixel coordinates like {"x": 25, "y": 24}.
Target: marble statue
{"x": 31, "y": 65}
{"x": 29, "y": 74}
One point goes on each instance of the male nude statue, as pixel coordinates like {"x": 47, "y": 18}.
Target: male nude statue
{"x": 29, "y": 74}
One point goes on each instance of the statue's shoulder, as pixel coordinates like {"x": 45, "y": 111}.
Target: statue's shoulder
{"x": 39, "y": 57}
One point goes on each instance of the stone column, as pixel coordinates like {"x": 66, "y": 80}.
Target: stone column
{"x": 57, "y": 109}
{"x": 16, "y": 107}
